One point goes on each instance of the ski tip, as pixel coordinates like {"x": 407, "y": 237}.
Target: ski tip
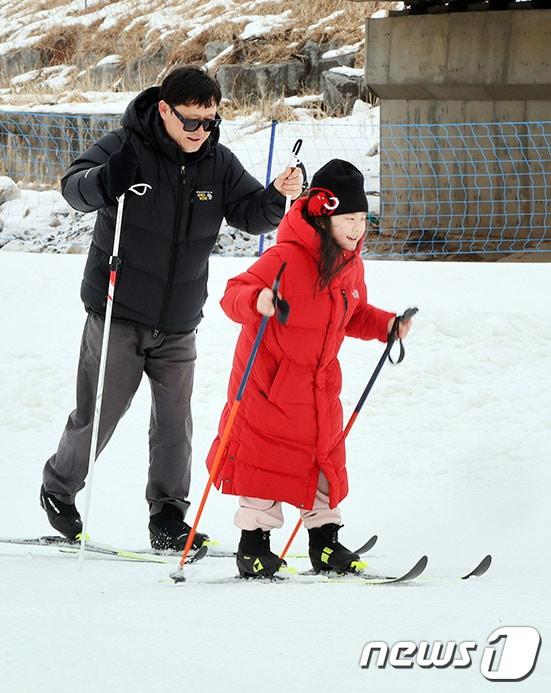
{"x": 369, "y": 544}
{"x": 480, "y": 569}
{"x": 414, "y": 572}
{"x": 411, "y": 574}
{"x": 199, "y": 554}
{"x": 418, "y": 568}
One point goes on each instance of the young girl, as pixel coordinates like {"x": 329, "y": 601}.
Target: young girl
{"x": 286, "y": 443}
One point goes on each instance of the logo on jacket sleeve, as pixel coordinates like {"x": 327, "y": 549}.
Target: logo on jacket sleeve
{"x": 204, "y": 195}
{"x": 355, "y": 293}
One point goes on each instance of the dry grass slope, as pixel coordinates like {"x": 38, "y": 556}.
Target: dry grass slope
{"x": 151, "y": 36}
{"x": 177, "y": 29}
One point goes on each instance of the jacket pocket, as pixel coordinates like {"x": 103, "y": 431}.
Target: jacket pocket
{"x": 293, "y": 384}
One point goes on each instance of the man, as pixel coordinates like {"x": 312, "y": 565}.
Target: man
{"x": 169, "y": 140}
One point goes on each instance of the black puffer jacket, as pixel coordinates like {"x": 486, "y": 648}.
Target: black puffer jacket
{"x": 168, "y": 234}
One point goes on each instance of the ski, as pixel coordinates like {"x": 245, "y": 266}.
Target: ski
{"x": 111, "y": 553}
{"x": 170, "y": 554}
{"x": 122, "y": 554}
{"x": 408, "y": 576}
{"x": 366, "y": 578}
{"x": 38, "y": 541}
{"x": 414, "y": 572}
{"x": 311, "y": 578}
{"x": 67, "y": 546}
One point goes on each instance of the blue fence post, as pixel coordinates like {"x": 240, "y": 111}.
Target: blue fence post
{"x": 268, "y": 176}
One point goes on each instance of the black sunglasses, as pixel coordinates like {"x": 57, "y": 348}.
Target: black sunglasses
{"x": 192, "y": 124}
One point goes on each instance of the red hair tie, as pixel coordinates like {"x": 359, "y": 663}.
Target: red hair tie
{"x": 321, "y": 202}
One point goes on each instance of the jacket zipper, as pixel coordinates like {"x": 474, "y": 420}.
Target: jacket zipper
{"x": 172, "y": 266}
{"x": 345, "y": 297}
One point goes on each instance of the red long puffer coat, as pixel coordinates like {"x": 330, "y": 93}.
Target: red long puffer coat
{"x": 289, "y": 424}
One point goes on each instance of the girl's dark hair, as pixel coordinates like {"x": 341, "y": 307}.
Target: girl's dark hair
{"x": 332, "y": 260}
{"x": 188, "y": 86}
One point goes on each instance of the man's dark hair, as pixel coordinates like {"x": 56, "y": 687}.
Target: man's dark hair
{"x": 190, "y": 85}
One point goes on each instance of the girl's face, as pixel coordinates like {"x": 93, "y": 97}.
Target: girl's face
{"x": 348, "y": 229}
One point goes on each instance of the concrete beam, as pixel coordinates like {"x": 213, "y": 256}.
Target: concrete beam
{"x": 471, "y": 55}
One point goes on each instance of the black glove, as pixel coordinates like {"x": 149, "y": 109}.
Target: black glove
{"x": 119, "y": 171}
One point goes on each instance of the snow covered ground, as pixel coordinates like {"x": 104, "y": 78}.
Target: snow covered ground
{"x": 450, "y": 457}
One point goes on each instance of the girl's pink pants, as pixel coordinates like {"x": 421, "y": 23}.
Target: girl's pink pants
{"x": 257, "y": 513}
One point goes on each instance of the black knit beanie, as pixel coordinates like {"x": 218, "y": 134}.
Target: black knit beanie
{"x": 337, "y": 188}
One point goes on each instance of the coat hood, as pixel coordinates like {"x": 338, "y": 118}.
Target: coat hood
{"x": 142, "y": 118}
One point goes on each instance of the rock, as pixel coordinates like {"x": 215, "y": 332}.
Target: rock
{"x": 20, "y": 61}
{"x": 373, "y": 150}
{"x": 341, "y": 90}
{"x": 76, "y": 249}
{"x": 144, "y": 70}
{"x": 316, "y": 65}
{"x": 263, "y": 81}
{"x": 104, "y": 75}
{"x": 8, "y": 190}
{"x": 214, "y": 48}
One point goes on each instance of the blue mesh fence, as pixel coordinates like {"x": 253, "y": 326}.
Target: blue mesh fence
{"x": 434, "y": 190}
{"x": 466, "y": 188}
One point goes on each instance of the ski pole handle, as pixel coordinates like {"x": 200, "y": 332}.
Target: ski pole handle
{"x": 393, "y": 335}
{"x": 404, "y": 317}
{"x": 408, "y": 314}
{"x": 281, "y": 306}
{"x": 293, "y": 163}
{"x": 139, "y": 189}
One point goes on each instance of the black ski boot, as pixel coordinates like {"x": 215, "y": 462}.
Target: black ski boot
{"x": 254, "y": 558}
{"x": 169, "y": 532}
{"x": 326, "y": 553}
{"x": 64, "y": 518}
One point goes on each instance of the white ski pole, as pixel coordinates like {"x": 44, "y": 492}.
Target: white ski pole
{"x": 293, "y": 163}
{"x": 114, "y": 262}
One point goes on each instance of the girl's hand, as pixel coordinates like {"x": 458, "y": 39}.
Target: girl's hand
{"x": 265, "y": 303}
{"x": 403, "y": 330}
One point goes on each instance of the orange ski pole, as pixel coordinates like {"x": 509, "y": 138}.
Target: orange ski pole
{"x": 178, "y": 576}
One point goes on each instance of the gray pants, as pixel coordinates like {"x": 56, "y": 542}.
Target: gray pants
{"x": 168, "y": 361}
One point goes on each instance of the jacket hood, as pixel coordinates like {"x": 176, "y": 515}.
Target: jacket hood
{"x": 142, "y": 118}
{"x": 295, "y": 229}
